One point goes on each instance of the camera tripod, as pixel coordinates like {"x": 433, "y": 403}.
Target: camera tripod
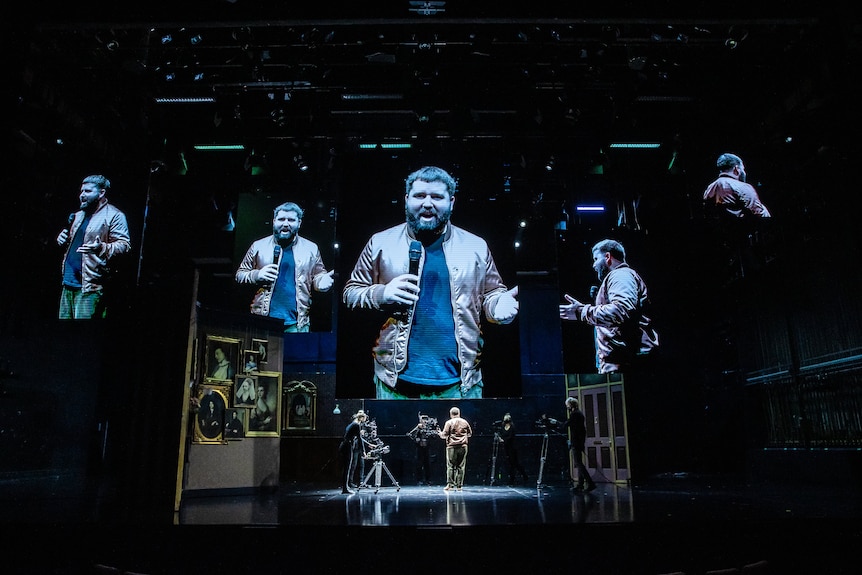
{"x": 495, "y": 446}
{"x": 377, "y": 469}
{"x": 543, "y": 456}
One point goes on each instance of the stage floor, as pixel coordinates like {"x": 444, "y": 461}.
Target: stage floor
{"x": 677, "y": 498}
{"x": 671, "y": 523}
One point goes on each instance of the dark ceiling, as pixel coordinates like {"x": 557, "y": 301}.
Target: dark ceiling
{"x": 523, "y": 82}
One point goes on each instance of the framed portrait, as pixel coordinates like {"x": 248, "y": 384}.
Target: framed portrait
{"x": 265, "y": 416}
{"x": 300, "y": 406}
{"x": 234, "y": 423}
{"x": 221, "y": 359}
{"x": 250, "y": 361}
{"x": 244, "y": 391}
{"x": 210, "y": 418}
{"x": 261, "y": 346}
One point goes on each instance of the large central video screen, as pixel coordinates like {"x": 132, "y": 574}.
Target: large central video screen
{"x": 457, "y": 335}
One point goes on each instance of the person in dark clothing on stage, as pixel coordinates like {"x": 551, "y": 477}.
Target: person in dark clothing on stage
{"x": 576, "y": 425}
{"x": 357, "y": 465}
{"x": 507, "y": 438}
{"x": 424, "y": 430}
{"x": 345, "y": 449}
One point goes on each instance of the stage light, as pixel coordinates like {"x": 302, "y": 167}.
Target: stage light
{"x": 300, "y": 163}
{"x": 337, "y": 410}
{"x": 549, "y": 165}
{"x": 218, "y": 147}
{"x": 635, "y": 145}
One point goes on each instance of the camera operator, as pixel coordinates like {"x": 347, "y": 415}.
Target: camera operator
{"x": 576, "y": 425}
{"x": 426, "y": 428}
{"x": 345, "y": 450}
{"x": 506, "y": 433}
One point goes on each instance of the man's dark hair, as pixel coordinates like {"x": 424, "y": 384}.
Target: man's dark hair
{"x": 726, "y": 162}
{"x": 100, "y": 181}
{"x": 431, "y": 174}
{"x": 614, "y": 247}
{"x": 288, "y": 207}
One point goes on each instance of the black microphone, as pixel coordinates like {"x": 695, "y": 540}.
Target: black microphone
{"x": 276, "y": 252}
{"x": 594, "y": 290}
{"x": 415, "y": 255}
{"x": 71, "y": 219}
{"x": 401, "y": 310}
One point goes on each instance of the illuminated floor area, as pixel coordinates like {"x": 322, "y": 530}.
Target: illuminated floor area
{"x": 674, "y": 523}
{"x": 664, "y": 500}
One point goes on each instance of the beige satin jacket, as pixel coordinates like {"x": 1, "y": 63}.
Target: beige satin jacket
{"x": 475, "y": 285}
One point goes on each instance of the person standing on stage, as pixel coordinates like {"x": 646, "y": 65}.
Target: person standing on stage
{"x": 286, "y": 268}
{"x": 457, "y": 433}
{"x": 507, "y": 438}
{"x": 576, "y": 425}
{"x": 345, "y": 449}
{"x": 420, "y": 436}
{"x": 357, "y": 464}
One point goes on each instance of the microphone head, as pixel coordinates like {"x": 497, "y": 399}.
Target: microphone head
{"x": 415, "y": 250}
{"x": 593, "y": 291}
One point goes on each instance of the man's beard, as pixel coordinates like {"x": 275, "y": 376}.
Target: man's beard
{"x": 284, "y": 238}
{"x": 603, "y": 272}
{"x": 433, "y": 228}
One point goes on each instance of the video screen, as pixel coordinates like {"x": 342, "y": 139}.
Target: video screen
{"x": 455, "y": 334}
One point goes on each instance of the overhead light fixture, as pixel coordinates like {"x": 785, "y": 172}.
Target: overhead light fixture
{"x": 549, "y": 165}
{"x": 337, "y": 410}
{"x": 589, "y": 208}
{"x": 278, "y": 117}
{"x": 218, "y": 147}
{"x": 427, "y": 7}
{"x": 385, "y": 146}
{"x": 635, "y": 145}
{"x": 186, "y": 100}
{"x": 300, "y": 163}
{"x": 372, "y": 97}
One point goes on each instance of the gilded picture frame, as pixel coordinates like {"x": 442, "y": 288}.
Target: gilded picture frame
{"x": 235, "y": 423}
{"x": 221, "y": 359}
{"x": 244, "y": 391}
{"x": 210, "y": 417}
{"x": 250, "y": 361}
{"x": 265, "y": 417}
{"x": 300, "y": 406}
{"x": 261, "y": 346}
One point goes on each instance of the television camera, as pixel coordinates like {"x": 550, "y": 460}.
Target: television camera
{"x": 547, "y": 423}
